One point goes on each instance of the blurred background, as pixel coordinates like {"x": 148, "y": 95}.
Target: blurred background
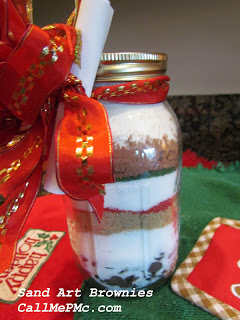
{"x": 201, "y": 39}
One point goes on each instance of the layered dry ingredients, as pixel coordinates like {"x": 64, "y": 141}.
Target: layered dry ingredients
{"x": 136, "y": 243}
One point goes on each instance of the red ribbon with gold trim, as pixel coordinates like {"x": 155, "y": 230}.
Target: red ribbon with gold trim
{"x": 29, "y": 60}
{"x": 34, "y": 76}
{"x": 84, "y": 150}
{"x": 151, "y": 90}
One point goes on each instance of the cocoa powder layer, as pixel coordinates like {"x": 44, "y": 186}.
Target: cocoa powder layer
{"x": 114, "y": 222}
{"x": 136, "y": 158}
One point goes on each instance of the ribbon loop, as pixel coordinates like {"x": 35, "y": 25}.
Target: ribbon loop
{"x": 41, "y": 61}
{"x": 34, "y": 76}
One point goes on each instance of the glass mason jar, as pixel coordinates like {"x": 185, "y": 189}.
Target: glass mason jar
{"x": 136, "y": 243}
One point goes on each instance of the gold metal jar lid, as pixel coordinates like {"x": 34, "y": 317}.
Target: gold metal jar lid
{"x": 130, "y": 66}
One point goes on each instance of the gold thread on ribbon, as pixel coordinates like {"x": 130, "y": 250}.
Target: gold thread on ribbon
{"x": 16, "y": 139}
{"x": 72, "y": 80}
{"x": 10, "y": 35}
{"x": 77, "y": 5}
{"x": 78, "y": 48}
{"x": 14, "y": 166}
{"x": 20, "y": 196}
{"x": 29, "y": 10}
{"x": 84, "y": 147}
{"x": 71, "y": 21}
{"x": 12, "y": 208}
{"x": 48, "y": 55}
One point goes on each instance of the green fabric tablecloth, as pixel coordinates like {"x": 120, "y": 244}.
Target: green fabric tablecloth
{"x": 205, "y": 195}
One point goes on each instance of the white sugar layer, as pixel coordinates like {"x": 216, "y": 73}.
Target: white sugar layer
{"x": 136, "y": 195}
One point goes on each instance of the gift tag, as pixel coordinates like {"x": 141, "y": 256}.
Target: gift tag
{"x": 210, "y": 275}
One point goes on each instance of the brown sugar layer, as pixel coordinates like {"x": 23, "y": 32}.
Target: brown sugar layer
{"x": 122, "y": 221}
{"x": 137, "y": 160}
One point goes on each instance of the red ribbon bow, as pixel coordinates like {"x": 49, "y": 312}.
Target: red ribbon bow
{"x": 34, "y": 76}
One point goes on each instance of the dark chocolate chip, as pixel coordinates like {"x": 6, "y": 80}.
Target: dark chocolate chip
{"x": 130, "y": 280}
{"x": 108, "y": 268}
{"x": 117, "y": 281}
{"x": 125, "y": 270}
{"x": 122, "y": 283}
{"x": 154, "y": 267}
{"x": 160, "y": 257}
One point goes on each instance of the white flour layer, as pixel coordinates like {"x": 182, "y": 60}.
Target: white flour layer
{"x": 140, "y": 121}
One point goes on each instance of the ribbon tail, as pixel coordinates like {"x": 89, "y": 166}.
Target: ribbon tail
{"x": 16, "y": 209}
{"x": 84, "y": 151}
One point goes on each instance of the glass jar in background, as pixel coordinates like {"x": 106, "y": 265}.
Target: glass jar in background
{"x": 136, "y": 243}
